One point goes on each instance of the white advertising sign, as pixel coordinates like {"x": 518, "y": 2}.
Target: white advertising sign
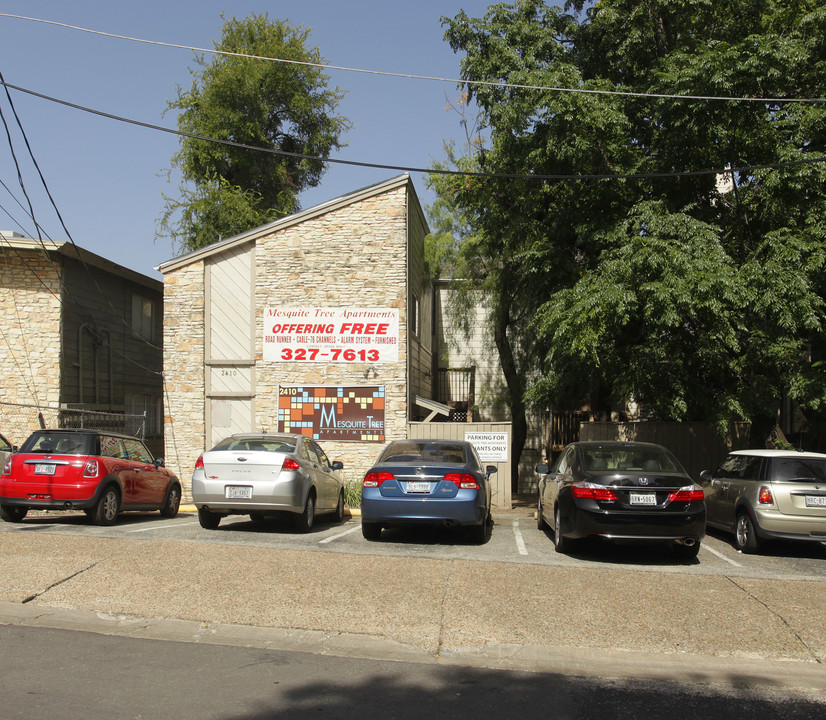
{"x": 339, "y": 335}
{"x": 491, "y": 446}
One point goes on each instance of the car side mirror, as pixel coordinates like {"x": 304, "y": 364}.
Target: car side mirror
{"x": 158, "y": 462}
{"x": 543, "y": 469}
{"x": 490, "y": 469}
{"x": 337, "y": 465}
{"x": 705, "y": 476}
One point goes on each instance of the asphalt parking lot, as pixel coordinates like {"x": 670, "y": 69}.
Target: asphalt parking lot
{"x": 514, "y": 538}
{"x": 428, "y": 596}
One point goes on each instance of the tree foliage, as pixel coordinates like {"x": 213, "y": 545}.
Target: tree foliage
{"x": 241, "y": 97}
{"x": 649, "y": 271}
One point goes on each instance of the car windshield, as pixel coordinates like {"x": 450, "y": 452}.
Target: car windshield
{"x": 799, "y": 469}
{"x": 625, "y": 458}
{"x": 261, "y": 444}
{"x": 59, "y": 443}
{"x": 424, "y": 451}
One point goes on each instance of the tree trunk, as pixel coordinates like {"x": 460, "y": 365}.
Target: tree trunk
{"x": 515, "y": 391}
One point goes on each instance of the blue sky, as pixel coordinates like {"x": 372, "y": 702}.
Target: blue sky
{"x": 107, "y": 177}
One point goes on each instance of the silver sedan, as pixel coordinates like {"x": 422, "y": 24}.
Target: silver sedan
{"x": 261, "y": 475}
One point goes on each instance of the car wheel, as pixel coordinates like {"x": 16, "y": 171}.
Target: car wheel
{"x": 561, "y": 543}
{"x": 540, "y": 521}
{"x": 686, "y": 552}
{"x": 338, "y": 515}
{"x": 370, "y": 531}
{"x": 480, "y": 532}
{"x": 172, "y": 501}
{"x": 745, "y": 537}
{"x": 209, "y": 520}
{"x": 13, "y": 513}
{"x": 107, "y": 508}
{"x": 304, "y": 522}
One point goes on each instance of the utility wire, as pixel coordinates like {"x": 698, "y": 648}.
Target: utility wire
{"x": 60, "y": 218}
{"x": 405, "y": 168}
{"x": 409, "y": 76}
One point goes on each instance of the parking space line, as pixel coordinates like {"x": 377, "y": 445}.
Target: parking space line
{"x": 339, "y": 535}
{"x": 161, "y": 527}
{"x": 720, "y": 555}
{"x": 520, "y": 543}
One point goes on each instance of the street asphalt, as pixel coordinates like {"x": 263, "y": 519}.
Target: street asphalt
{"x": 569, "y": 620}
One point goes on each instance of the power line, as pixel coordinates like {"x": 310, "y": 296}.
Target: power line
{"x": 424, "y": 171}
{"x": 410, "y": 76}
{"x": 60, "y": 218}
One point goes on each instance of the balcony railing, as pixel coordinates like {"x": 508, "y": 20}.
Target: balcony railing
{"x": 455, "y": 387}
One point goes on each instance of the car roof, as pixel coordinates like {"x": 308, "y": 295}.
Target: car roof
{"x": 616, "y": 443}
{"x": 771, "y": 452}
{"x": 266, "y": 436}
{"x": 87, "y": 431}
{"x": 428, "y": 441}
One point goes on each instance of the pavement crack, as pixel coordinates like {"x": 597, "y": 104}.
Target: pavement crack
{"x": 440, "y": 642}
{"x": 30, "y": 598}
{"x": 778, "y": 616}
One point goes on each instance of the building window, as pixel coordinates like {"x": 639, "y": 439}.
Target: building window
{"x": 143, "y": 317}
{"x": 414, "y": 314}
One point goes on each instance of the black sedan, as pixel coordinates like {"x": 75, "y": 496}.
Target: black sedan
{"x": 620, "y": 491}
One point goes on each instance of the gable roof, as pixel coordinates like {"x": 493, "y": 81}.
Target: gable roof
{"x": 70, "y": 250}
{"x": 285, "y": 222}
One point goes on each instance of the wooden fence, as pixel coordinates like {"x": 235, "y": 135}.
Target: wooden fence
{"x": 501, "y": 479}
{"x": 697, "y": 446}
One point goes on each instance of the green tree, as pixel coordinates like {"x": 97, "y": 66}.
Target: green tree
{"x": 241, "y": 97}
{"x": 649, "y": 279}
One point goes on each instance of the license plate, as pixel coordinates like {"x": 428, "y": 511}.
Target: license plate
{"x": 816, "y": 501}
{"x": 418, "y": 487}
{"x": 643, "y": 499}
{"x": 238, "y": 492}
{"x": 44, "y": 469}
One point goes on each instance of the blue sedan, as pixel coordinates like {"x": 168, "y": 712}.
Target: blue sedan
{"x": 427, "y": 482}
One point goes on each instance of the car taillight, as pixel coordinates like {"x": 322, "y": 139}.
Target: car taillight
{"x": 588, "y": 491}
{"x": 687, "y": 494}
{"x": 199, "y": 463}
{"x": 7, "y": 467}
{"x": 290, "y": 464}
{"x": 91, "y": 469}
{"x": 764, "y": 497}
{"x": 464, "y": 481}
{"x": 375, "y": 479}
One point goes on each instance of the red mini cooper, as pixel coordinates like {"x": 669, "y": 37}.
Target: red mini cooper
{"x": 98, "y": 472}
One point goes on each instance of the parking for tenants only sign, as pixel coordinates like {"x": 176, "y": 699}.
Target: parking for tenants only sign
{"x": 491, "y": 446}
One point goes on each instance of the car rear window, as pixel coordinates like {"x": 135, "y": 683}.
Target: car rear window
{"x": 59, "y": 443}
{"x": 411, "y": 451}
{"x": 274, "y": 444}
{"x": 625, "y": 458}
{"x": 799, "y": 470}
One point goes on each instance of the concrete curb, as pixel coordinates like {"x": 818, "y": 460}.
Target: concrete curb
{"x": 734, "y": 672}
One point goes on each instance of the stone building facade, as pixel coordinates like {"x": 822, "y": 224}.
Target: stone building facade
{"x": 79, "y": 334}
{"x": 228, "y": 307}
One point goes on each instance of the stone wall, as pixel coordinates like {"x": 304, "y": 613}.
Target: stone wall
{"x": 30, "y": 306}
{"x": 184, "y": 384}
{"x": 354, "y": 255}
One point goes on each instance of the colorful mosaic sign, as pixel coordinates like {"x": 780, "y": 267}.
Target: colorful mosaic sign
{"x": 333, "y": 413}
